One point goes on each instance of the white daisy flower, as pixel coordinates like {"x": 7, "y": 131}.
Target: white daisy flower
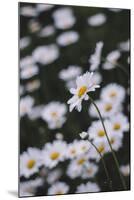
{"x": 70, "y": 73}
{"x": 67, "y": 38}
{"x": 58, "y": 188}
{"x": 89, "y": 170}
{"x": 113, "y": 92}
{"x": 95, "y": 58}
{"x": 26, "y": 104}
{"x": 43, "y": 7}
{"x": 64, "y": 22}
{"x": 32, "y": 85}
{"x": 62, "y": 13}
{"x": 35, "y": 112}
{"x": 107, "y": 108}
{"x": 84, "y": 85}
{"x": 87, "y": 187}
{"x": 30, "y": 161}
{"x": 28, "y": 188}
{"x": 34, "y": 26}
{"x": 116, "y": 141}
{"x": 54, "y": 176}
{"x": 26, "y": 62}
{"x": 97, "y": 19}
{"x": 124, "y": 46}
{"x": 111, "y": 60}
{"x": 97, "y": 78}
{"x": 24, "y": 42}
{"x": 54, "y": 114}
{"x": 46, "y": 54}
{"x": 53, "y": 153}
{"x": 125, "y": 170}
{"x": 29, "y": 72}
{"x": 28, "y": 11}
{"x": 47, "y": 31}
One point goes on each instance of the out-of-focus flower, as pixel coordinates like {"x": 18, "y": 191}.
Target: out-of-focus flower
{"x": 21, "y": 90}
{"x": 67, "y": 38}
{"x": 125, "y": 170}
{"x": 26, "y": 62}
{"x": 59, "y": 136}
{"x": 89, "y": 170}
{"x": 124, "y": 46}
{"x": 54, "y": 114}
{"x": 47, "y": 31}
{"x": 28, "y": 188}
{"x": 54, "y": 176}
{"x": 115, "y": 9}
{"x": 34, "y": 26}
{"x": 108, "y": 108}
{"x": 70, "y": 73}
{"x": 29, "y": 72}
{"x": 30, "y": 161}
{"x": 28, "y": 11}
{"x": 113, "y": 92}
{"x": 85, "y": 85}
{"x": 62, "y": 13}
{"x": 43, "y": 7}
{"x": 95, "y": 58}
{"x": 46, "y": 54}
{"x": 53, "y": 153}
{"x": 32, "y": 85}
{"x": 26, "y": 104}
{"x": 97, "y": 20}
{"x": 111, "y": 60}
{"x": 88, "y": 187}
{"x": 58, "y": 188}
{"x": 97, "y": 78}
{"x": 65, "y": 23}
{"x": 35, "y": 112}
{"x": 24, "y": 42}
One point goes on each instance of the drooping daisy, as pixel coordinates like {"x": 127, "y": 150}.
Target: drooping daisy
{"x": 53, "y": 153}
{"x": 95, "y": 58}
{"x": 46, "y": 54}
{"x": 125, "y": 170}
{"x": 67, "y": 38}
{"x": 111, "y": 60}
{"x": 32, "y": 85}
{"x": 24, "y": 42}
{"x": 29, "y": 72}
{"x": 89, "y": 170}
{"x": 84, "y": 85}
{"x": 47, "y": 31}
{"x": 58, "y": 188}
{"x": 88, "y": 187}
{"x": 113, "y": 92}
{"x": 28, "y": 188}
{"x": 26, "y": 104}
{"x": 28, "y": 11}
{"x": 30, "y": 161}
{"x": 54, "y": 114}
{"x": 97, "y": 20}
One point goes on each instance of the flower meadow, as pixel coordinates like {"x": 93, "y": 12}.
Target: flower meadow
{"x": 74, "y": 99}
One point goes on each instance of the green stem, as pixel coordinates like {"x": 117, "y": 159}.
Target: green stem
{"x": 113, "y": 153}
{"x": 104, "y": 165}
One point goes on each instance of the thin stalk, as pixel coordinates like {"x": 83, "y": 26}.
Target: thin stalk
{"x": 113, "y": 153}
{"x": 104, "y": 165}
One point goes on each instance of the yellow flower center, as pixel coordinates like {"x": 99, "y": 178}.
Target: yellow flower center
{"x": 101, "y": 148}
{"x": 59, "y": 192}
{"x": 101, "y": 133}
{"x": 54, "y": 114}
{"x": 31, "y": 164}
{"x": 117, "y": 126}
{"x": 54, "y": 155}
{"x": 113, "y": 94}
{"x": 82, "y": 91}
{"x": 108, "y": 107}
{"x": 73, "y": 151}
{"x": 81, "y": 161}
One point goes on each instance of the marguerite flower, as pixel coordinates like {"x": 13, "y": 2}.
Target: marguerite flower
{"x": 32, "y": 85}
{"x": 97, "y": 20}
{"x": 124, "y": 46}
{"x": 58, "y": 188}
{"x": 28, "y": 11}
{"x": 26, "y": 104}
{"x": 70, "y": 73}
{"x": 26, "y": 62}
{"x": 89, "y": 170}
{"x": 125, "y": 170}
{"x": 47, "y": 31}
{"x": 84, "y": 84}
{"x": 34, "y": 25}
{"x": 53, "y": 153}
{"x": 67, "y": 38}
{"x": 54, "y": 176}
{"x": 29, "y": 72}
{"x": 65, "y": 23}
{"x": 54, "y": 114}
{"x": 24, "y": 42}
{"x": 43, "y": 7}
{"x": 88, "y": 187}
{"x": 30, "y": 161}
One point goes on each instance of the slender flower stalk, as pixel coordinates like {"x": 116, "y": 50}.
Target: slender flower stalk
{"x": 113, "y": 153}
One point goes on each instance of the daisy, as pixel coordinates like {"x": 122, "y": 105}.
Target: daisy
{"x": 28, "y": 188}
{"x": 113, "y": 92}
{"x": 26, "y": 104}
{"x": 62, "y": 13}
{"x": 28, "y": 11}
{"x": 54, "y": 176}
{"x": 53, "y": 153}
{"x": 30, "y": 161}
{"x": 116, "y": 141}
{"x": 43, "y": 7}
{"x": 29, "y": 72}
{"x": 70, "y": 73}
{"x": 95, "y": 58}
{"x": 111, "y": 60}
{"x": 54, "y": 114}
{"x": 124, "y": 46}
{"x": 125, "y": 170}
{"x": 32, "y": 85}
{"x": 88, "y": 187}
{"x": 65, "y": 22}
{"x": 34, "y": 26}
{"x": 26, "y": 62}
{"x": 35, "y": 112}
{"x": 47, "y": 31}
{"x": 89, "y": 170}
{"x": 24, "y": 42}
{"x": 46, "y": 54}
{"x": 84, "y": 85}
{"x": 58, "y": 188}
{"x": 97, "y": 20}
{"x": 67, "y": 38}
